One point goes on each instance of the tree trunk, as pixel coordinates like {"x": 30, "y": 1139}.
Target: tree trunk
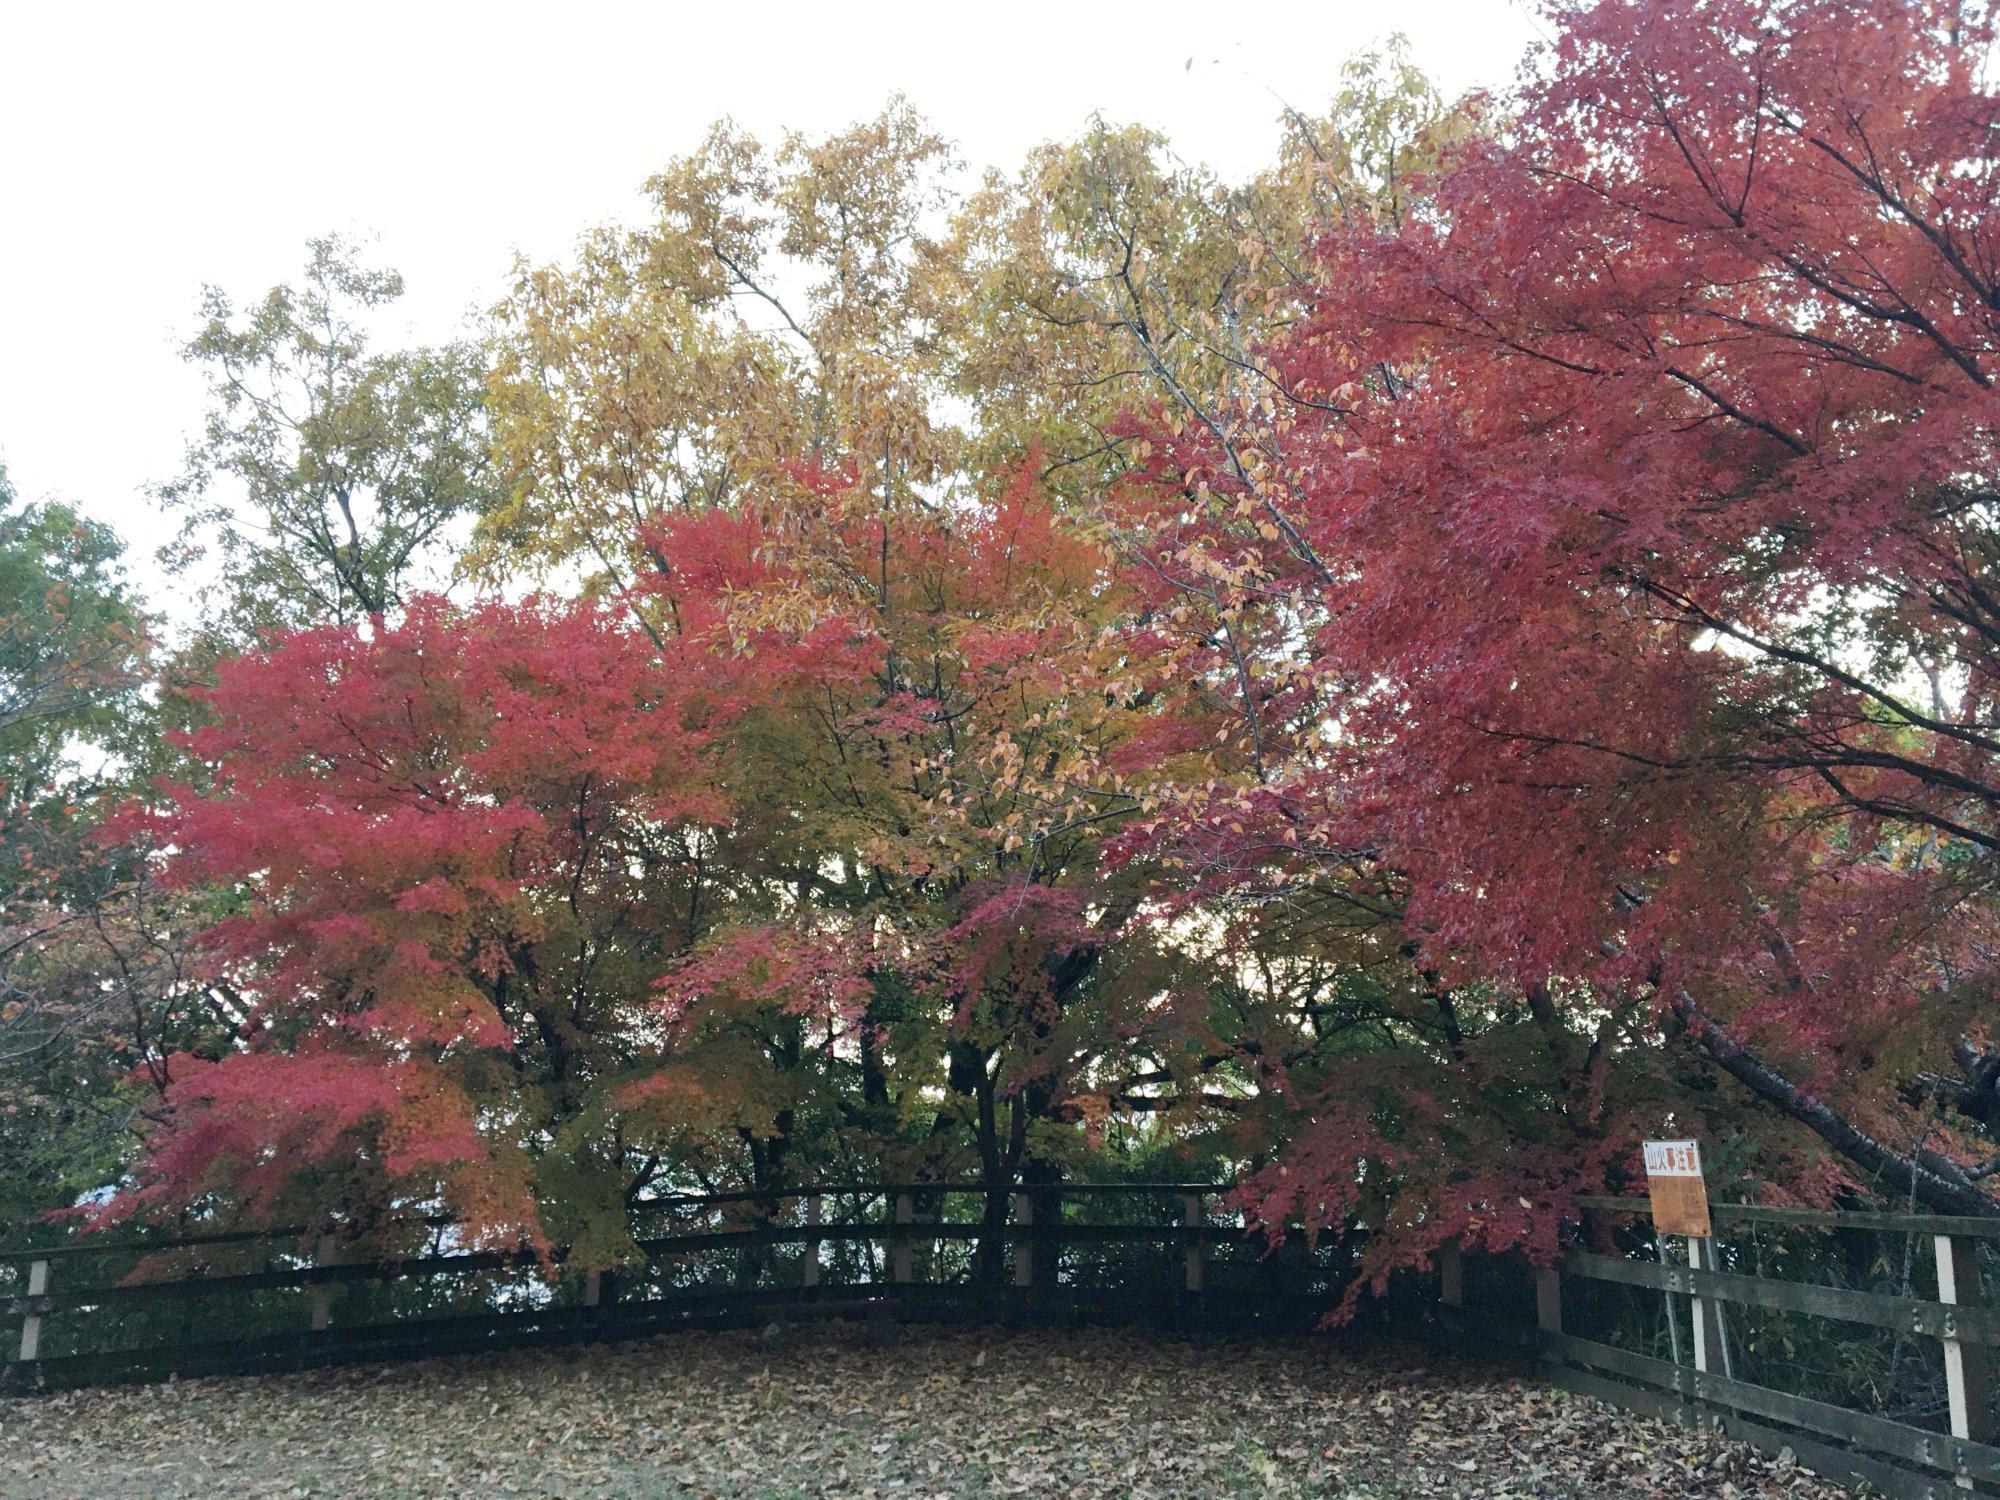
{"x": 1935, "y": 1181}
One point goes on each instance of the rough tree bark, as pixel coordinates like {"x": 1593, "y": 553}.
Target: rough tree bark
{"x": 1935, "y": 1181}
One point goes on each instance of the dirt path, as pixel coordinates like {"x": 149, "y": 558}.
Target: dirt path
{"x": 828, "y": 1412}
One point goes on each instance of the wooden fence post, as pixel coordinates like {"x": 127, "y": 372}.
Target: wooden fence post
{"x": 1711, "y": 1337}
{"x": 319, "y": 1295}
{"x": 1024, "y": 1247}
{"x": 1192, "y": 1216}
{"x": 31, "y": 1324}
{"x": 1451, "y": 1274}
{"x": 906, "y": 1213}
{"x": 1548, "y": 1299}
{"x": 815, "y": 1210}
{"x": 1968, "y": 1367}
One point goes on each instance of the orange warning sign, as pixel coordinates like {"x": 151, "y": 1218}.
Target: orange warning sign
{"x": 1680, "y": 1196}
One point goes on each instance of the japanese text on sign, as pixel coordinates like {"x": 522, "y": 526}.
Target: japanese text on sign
{"x": 1680, "y": 1197}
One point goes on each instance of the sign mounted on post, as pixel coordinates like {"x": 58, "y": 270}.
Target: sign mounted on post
{"x": 1680, "y": 1197}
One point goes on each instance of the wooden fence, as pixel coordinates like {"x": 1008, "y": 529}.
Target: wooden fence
{"x": 1700, "y": 1383}
{"x": 899, "y": 1251}
{"x": 1168, "y": 1254}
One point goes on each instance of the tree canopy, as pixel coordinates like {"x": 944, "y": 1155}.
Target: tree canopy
{"x": 1394, "y": 679}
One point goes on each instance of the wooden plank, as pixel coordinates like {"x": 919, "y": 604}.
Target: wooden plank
{"x": 417, "y": 1338}
{"x": 1828, "y": 1462}
{"x": 1451, "y": 1274}
{"x": 1207, "y": 1234}
{"x": 1024, "y": 1244}
{"x": 1664, "y": 1407}
{"x": 31, "y": 1324}
{"x": 1968, "y": 1364}
{"x": 1815, "y": 1218}
{"x": 1191, "y": 1217}
{"x": 961, "y": 1187}
{"x": 92, "y": 1245}
{"x": 809, "y": 1266}
{"x": 1897, "y": 1440}
{"x": 319, "y": 1298}
{"x": 900, "y": 1247}
{"x": 318, "y": 1280}
{"x": 705, "y": 1308}
{"x": 1909, "y": 1314}
{"x": 1548, "y": 1299}
{"x": 723, "y": 1239}
{"x": 297, "y": 1276}
{"x": 1841, "y": 1465}
{"x": 502, "y": 1260}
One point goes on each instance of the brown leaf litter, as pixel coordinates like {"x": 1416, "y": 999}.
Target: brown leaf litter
{"x": 832, "y": 1411}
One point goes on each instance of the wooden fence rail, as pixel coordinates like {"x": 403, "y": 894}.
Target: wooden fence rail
{"x": 526, "y": 1299}
{"x": 884, "y": 1250}
{"x": 1894, "y": 1457}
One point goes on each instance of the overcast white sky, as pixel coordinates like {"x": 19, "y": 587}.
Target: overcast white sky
{"x": 146, "y": 149}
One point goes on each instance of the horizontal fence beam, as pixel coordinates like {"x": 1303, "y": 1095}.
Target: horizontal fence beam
{"x": 257, "y": 1281}
{"x": 1839, "y": 1443}
{"x": 688, "y": 1309}
{"x": 665, "y": 1202}
{"x": 1804, "y": 1218}
{"x": 959, "y": 1188}
{"x": 1938, "y": 1320}
{"x": 1841, "y": 1465}
{"x": 1815, "y": 1218}
{"x": 1648, "y": 1386}
{"x": 92, "y": 1244}
{"x": 917, "y": 1230}
{"x": 1898, "y": 1458}
{"x": 695, "y": 1309}
{"x": 1897, "y": 1440}
{"x": 686, "y": 1228}
{"x": 656, "y": 1248}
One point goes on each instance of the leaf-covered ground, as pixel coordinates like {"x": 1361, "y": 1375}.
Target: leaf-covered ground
{"x": 833, "y": 1411}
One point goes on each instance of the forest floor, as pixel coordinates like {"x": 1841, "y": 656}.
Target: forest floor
{"x": 832, "y": 1411}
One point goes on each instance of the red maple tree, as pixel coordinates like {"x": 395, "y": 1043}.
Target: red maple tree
{"x": 1567, "y": 673}
{"x": 437, "y": 830}
{"x": 1636, "y": 503}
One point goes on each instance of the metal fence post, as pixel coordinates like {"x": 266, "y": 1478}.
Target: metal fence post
{"x": 1192, "y": 1216}
{"x": 1667, "y": 1302}
{"x": 1024, "y": 1246}
{"x": 1968, "y": 1367}
{"x": 1711, "y": 1336}
{"x": 815, "y": 1210}
{"x": 906, "y": 1213}
{"x": 31, "y": 1324}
